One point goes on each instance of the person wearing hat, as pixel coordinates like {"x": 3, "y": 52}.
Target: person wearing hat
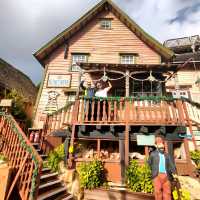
{"x": 89, "y": 91}
{"x": 162, "y": 169}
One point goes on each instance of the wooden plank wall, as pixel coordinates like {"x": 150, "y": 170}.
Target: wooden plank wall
{"x": 186, "y": 80}
{"x": 103, "y": 46}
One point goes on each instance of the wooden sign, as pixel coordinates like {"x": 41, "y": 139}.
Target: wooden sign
{"x": 6, "y": 103}
{"x": 59, "y": 80}
{"x": 145, "y": 140}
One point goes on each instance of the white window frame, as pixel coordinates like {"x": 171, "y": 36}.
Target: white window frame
{"x": 106, "y": 24}
{"x": 78, "y": 58}
{"x": 127, "y": 59}
{"x": 71, "y": 96}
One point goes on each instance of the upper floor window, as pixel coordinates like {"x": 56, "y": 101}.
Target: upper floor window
{"x": 105, "y": 23}
{"x": 127, "y": 59}
{"x": 78, "y": 58}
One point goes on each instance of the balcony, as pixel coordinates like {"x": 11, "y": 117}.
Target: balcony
{"x": 120, "y": 111}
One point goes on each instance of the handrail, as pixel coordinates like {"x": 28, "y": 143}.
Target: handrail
{"x": 16, "y": 146}
{"x": 111, "y": 110}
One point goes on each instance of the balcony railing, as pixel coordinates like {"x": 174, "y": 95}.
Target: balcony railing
{"x": 119, "y": 111}
{"x": 128, "y": 110}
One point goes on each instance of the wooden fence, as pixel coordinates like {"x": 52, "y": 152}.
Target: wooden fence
{"x": 23, "y": 158}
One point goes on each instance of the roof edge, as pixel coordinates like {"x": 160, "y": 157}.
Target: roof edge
{"x": 160, "y": 48}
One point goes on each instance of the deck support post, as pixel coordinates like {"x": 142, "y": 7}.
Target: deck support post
{"x": 126, "y": 145}
{"x": 127, "y": 85}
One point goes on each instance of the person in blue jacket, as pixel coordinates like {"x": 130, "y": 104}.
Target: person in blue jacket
{"x": 89, "y": 93}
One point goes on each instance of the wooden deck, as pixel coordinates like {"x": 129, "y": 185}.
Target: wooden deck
{"x": 119, "y": 112}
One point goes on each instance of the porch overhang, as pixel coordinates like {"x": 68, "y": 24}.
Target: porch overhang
{"x": 163, "y": 68}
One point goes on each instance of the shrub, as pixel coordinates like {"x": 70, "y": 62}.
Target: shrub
{"x": 2, "y": 158}
{"x": 185, "y": 195}
{"x": 138, "y": 177}
{"x": 91, "y": 174}
{"x": 55, "y": 157}
{"x": 195, "y": 156}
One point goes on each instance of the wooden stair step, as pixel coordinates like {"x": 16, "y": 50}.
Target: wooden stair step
{"x": 35, "y": 144}
{"x": 44, "y": 185}
{"x": 43, "y": 156}
{"x": 49, "y": 175}
{"x": 70, "y": 197}
{"x": 45, "y": 169}
{"x": 66, "y": 196}
{"x": 50, "y": 194}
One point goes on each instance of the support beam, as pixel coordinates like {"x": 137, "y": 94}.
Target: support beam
{"x": 127, "y": 85}
{"x": 126, "y": 145}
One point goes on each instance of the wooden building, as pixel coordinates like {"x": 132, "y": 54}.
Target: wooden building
{"x": 106, "y": 43}
{"x": 186, "y": 49}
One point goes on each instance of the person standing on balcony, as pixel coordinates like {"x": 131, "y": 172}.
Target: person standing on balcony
{"x": 89, "y": 93}
{"x": 162, "y": 169}
{"x": 103, "y": 93}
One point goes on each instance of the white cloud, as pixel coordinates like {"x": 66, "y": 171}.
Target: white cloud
{"x": 27, "y": 25}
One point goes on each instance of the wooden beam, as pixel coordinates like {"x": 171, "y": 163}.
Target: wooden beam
{"x": 127, "y": 86}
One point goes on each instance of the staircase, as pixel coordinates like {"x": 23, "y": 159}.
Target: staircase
{"x": 30, "y": 178}
{"x": 50, "y": 187}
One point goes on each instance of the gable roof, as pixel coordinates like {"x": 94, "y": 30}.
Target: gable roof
{"x": 44, "y": 51}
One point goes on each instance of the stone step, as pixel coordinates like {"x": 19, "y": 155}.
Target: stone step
{"x": 52, "y": 193}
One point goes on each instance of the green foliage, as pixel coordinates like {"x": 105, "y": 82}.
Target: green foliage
{"x": 185, "y": 195}
{"x": 2, "y": 157}
{"x": 195, "y": 156}
{"x": 55, "y": 157}
{"x": 17, "y": 110}
{"x": 91, "y": 174}
{"x": 138, "y": 177}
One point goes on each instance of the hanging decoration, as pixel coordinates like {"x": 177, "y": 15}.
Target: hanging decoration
{"x": 150, "y": 78}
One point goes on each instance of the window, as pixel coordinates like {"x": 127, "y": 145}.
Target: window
{"x": 106, "y": 23}
{"x": 71, "y": 96}
{"x": 127, "y": 59}
{"x": 78, "y": 58}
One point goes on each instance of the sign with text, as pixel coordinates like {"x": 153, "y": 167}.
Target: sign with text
{"x": 6, "y": 102}
{"x": 146, "y": 140}
{"x": 59, "y": 80}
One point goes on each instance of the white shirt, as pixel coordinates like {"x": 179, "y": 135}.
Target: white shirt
{"x": 102, "y": 93}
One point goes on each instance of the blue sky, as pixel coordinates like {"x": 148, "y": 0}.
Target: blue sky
{"x": 26, "y": 25}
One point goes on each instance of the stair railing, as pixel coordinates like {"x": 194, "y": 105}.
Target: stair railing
{"x": 22, "y": 158}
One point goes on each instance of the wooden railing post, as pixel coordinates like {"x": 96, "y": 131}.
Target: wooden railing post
{"x": 189, "y": 123}
{"x": 181, "y": 117}
{"x": 22, "y": 157}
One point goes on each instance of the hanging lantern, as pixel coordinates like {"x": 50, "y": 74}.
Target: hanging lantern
{"x": 151, "y": 77}
{"x": 104, "y": 78}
